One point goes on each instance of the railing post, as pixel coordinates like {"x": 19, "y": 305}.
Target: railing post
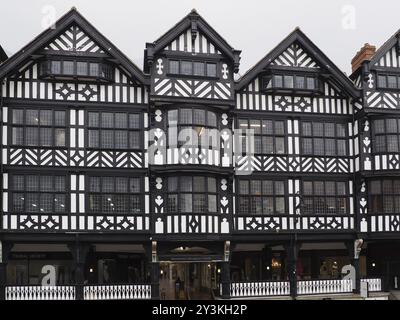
{"x": 225, "y": 280}
{"x": 79, "y": 252}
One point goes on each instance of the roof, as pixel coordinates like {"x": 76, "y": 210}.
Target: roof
{"x": 3, "y": 55}
{"x": 298, "y": 36}
{"x": 72, "y": 16}
{"x": 184, "y": 24}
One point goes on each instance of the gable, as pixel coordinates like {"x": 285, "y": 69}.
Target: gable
{"x": 389, "y": 59}
{"x": 295, "y": 56}
{"x": 74, "y": 39}
{"x": 201, "y": 44}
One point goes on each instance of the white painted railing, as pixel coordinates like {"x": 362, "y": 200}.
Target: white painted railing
{"x": 40, "y": 293}
{"x": 117, "y": 292}
{"x": 374, "y": 284}
{"x": 260, "y": 289}
{"x": 324, "y": 286}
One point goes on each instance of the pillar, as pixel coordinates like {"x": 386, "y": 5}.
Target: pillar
{"x": 79, "y": 252}
{"x": 354, "y": 249}
{"x": 292, "y": 251}
{"x": 225, "y": 280}
{"x": 5, "y": 249}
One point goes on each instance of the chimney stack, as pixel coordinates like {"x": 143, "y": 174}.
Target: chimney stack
{"x": 365, "y": 54}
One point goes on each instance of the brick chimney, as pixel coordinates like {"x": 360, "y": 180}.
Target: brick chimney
{"x": 365, "y": 54}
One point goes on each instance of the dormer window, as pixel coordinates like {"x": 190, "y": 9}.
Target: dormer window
{"x": 291, "y": 82}
{"x": 80, "y": 69}
{"x": 192, "y": 68}
{"x": 386, "y": 81}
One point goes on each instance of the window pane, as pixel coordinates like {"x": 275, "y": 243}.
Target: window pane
{"x": 107, "y": 120}
{"x": 18, "y": 136}
{"x": 32, "y": 202}
{"x": 31, "y": 136}
{"x": 392, "y": 83}
{"x": 107, "y": 139}
{"x": 32, "y": 117}
{"x": 280, "y": 145}
{"x": 306, "y": 128}
{"x": 311, "y": 83}
{"x": 267, "y": 127}
{"x": 199, "y": 116}
{"x": 94, "y": 185}
{"x": 95, "y": 202}
{"x": 268, "y": 205}
{"x": 172, "y": 184}
{"x": 379, "y": 126}
{"x": 330, "y": 147}
{"x": 341, "y": 147}
{"x": 256, "y": 126}
{"x": 330, "y": 188}
{"x": 278, "y": 81}
{"x": 300, "y": 82}
{"x": 173, "y": 203}
{"x": 186, "y": 116}
{"x": 46, "y": 202}
{"x": 55, "y": 67}
{"x": 121, "y": 139}
{"x": 107, "y": 184}
{"x": 134, "y": 121}
{"x": 18, "y": 202}
{"x": 279, "y": 187}
{"x": 279, "y": 127}
{"x": 392, "y": 143}
{"x": 307, "y": 187}
{"x": 267, "y": 145}
{"x": 121, "y": 120}
{"x": 68, "y": 67}
{"x": 387, "y": 187}
{"x": 307, "y": 146}
{"x": 319, "y": 146}
{"x": 243, "y": 205}
{"x": 198, "y": 69}
{"x": 380, "y": 143}
{"x": 121, "y": 184}
{"x": 257, "y": 145}
{"x": 340, "y": 130}
{"x": 81, "y": 68}
{"x": 329, "y": 129}
{"x": 199, "y": 203}
{"x": 46, "y": 137}
{"x": 255, "y": 187}
{"x": 93, "y": 138}
{"x": 59, "y": 118}
{"x": 288, "y": 81}
{"x": 341, "y": 188}
{"x": 256, "y": 205}
{"x": 94, "y": 69}
{"x": 186, "y": 184}
{"x": 199, "y": 184}
{"x": 18, "y": 183}
{"x": 174, "y": 66}
{"x": 382, "y": 81}
{"x": 280, "y": 205}
{"x": 185, "y": 202}
{"x": 186, "y": 67}
{"x": 59, "y": 182}
{"x": 391, "y": 125}
{"x": 375, "y": 187}
{"x": 244, "y": 187}
{"x": 268, "y": 187}
{"x": 212, "y": 185}
{"x": 211, "y": 69}
{"x": 134, "y": 185}
{"x": 318, "y": 129}
{"x": 319, "y": 187}
{"x": 341, "y": 206}
{"x": 134, "y": 140}
{"x": 93, "y": 119}
{"x": 18, "y": 116}
{"x": 211, "y": 119}
{"x": 212, "y": 203}
{"x": 59, "y": 137}
{"x": 46, "y": 183}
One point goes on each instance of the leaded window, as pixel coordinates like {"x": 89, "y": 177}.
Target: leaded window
{"x": 321, "y": 197}
{"x": 261, "y": 197}
{"x": 38, "y": 193}
{"x": 119, "y": 195}
{"x": 269, "y": 135}
{"x": 192, "y": 194}
{"x": 386, "y": 135}
{"x": 114, "y": 130}
{"x": 324, "y": 138}
{"x": 38, "y": 127}
{"x": 384, "y": 196}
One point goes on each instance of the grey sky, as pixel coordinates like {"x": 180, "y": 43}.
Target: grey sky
{"x": 253, "y": 26}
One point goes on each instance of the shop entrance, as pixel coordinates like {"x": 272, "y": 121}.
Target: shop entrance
{"x": 187, "y": 280}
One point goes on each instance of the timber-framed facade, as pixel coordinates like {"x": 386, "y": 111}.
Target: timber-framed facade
{"x": 102, "y": 199}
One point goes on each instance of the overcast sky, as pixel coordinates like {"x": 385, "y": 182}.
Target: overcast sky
{"x": 339, "y": 27}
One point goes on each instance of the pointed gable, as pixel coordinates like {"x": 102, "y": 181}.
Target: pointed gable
{"x": 72, "y": 33}
{"x": 74, "y": 39}
{"x": 295, "y": 56}
{"x": 295, "y": 51}
{"x": 192, "y": 35}
{"x": 388, "y": 55}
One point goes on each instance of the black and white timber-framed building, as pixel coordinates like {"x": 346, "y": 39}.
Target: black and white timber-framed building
{"x": 101, "y": 200}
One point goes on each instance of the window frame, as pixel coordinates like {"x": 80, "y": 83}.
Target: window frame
{"x": 39, "y": 126}
{"x": 382, "y": 196}
{"x": 99, "y": 128}
{"x": 385, "y": 134}
{"x": 66, "y": 192}
{"x": 88, "y": 193}
{"x": 336, "y": 137}
{"x": 274, "y": 196}
{"x": 269, "y": 82}
{"x": 193, "y": 62}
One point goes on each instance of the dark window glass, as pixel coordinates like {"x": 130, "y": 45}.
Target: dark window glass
{"x": 186, "y": 67}
{"x": 300, "y": 82}
{"x": 198, "y": 68}
{"x": 55, "y": 67}
{"x": 311, "y": 83}
{"x": 278, "y": 81}
{"x": 174, "y": 66}
{"x": 211, "y": 69}
{"x": 392, "y": 82}
{"x": 382, "y": 81}
{"x": 288, "y": 81}
{"x": 82, "y": 68}
{"x": 68, "y": 67}
{"x": 94, "y": 70}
